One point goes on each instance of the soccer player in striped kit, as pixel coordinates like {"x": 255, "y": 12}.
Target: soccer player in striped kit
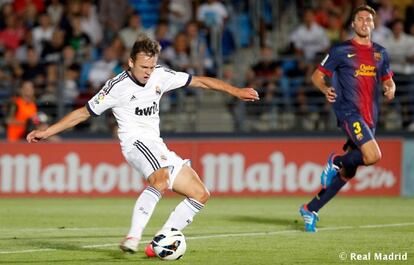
{"x": 134, "y": 96}
{"x": 359, "y": 71}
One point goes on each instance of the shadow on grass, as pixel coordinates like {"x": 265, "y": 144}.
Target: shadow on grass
{"x": 77, "y": 253}
{"x": 287, "y": 223}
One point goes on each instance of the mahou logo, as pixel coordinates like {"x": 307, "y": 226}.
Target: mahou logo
{"x": 229, "y": 173}
{"x": 26, "y": 174}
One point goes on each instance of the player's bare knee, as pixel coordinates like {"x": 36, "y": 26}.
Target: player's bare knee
{"x": 159, "y": 180}
{"x": 372, "y": 159}
{"x": 202, "y": 195}
{"x": 160, "y": 186}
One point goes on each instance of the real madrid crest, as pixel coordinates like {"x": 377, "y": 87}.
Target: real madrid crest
{"x": 157, "y": 90}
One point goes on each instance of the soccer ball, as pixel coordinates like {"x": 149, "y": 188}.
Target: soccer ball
{"x": 169, "y": 244}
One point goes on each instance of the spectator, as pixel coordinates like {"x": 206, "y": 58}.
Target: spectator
{"x": 380, "y": 33}
{"x": 163, "y": 34}
{"x": 48, "y": 98}
{"x": 29, "y": 16}
{"x": 386, "y": 11}
{"x": 22, "y": 110}
{"x": 72, "y": 9}
{"x": 104, "y": 69}
{"x": 309, "y": 39}
{"x": 6, "y": 10}
{"x": 178, "y": 55}
{"x": 180, "y": 13}
{"x": 268, "y": 76}
{"x": 10, "y": 69}
{"x": 130, "y": 33}
{"x": 52, "y": 50}
{"x": 68, "y": 56}
{"x": 25, "y": 44}
{"x": 334, "y": 28}
{"x": 112, "y": 15}
{"x": 400, "y": 48}
{"x": 78, "y": 39}
{"x": 42, "y": 33}
{"x": 212, "y": 13}
{"x": 326, "y": 9}
{"x": 119, "y": 49}
{"x": 199, "y": 52}
{"x": 55, "y": 10}
{"x": 12, "y": 34}
{"x": 70, "y": 91}
{"x": 90, "y": 22}
{"x": 33, "y": 69}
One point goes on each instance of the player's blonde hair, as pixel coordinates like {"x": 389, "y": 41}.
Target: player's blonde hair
{"x": 146, "y": 45}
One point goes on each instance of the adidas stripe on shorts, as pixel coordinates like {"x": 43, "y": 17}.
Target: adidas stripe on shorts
{"x": 147, "y": 156}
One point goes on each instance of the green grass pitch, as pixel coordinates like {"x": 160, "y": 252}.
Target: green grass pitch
{"x": 228, "y": 231}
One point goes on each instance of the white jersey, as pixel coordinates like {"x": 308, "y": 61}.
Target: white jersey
{"x": 135, "y": 105}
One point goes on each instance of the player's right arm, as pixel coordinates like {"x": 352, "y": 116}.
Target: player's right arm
{"x": 70, "y": 120}
{"x": 318, "y": 80}
{"x": 245, "y": 94}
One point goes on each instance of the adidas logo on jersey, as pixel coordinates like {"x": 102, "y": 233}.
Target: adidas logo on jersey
{"x": 148, "y": 110}
{"x": 133, "y": 98}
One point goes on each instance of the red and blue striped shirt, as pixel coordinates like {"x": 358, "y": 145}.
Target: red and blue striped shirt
{"x": 357, "y": 72}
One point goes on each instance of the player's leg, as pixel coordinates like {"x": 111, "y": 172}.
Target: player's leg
{"x": 361, "y": 149}
{"x": 143, "y": 157}
{"x": 144, "y": 207}
{"x": 371, "y": 153}
{"x": 310, "y": 210}
{"x": 187, "y": 183}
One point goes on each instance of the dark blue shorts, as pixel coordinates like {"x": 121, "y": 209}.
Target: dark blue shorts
{"x": 357, "y": 129}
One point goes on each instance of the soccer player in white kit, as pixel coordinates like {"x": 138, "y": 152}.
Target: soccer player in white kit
{"x": 134, "y": 96}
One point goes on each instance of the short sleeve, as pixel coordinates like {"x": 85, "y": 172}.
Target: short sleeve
{"x": 385, "y": 71}
{"x": 329, "y": 63}
{"x": 174, "y": 80}
{"x": 103, "y": 100}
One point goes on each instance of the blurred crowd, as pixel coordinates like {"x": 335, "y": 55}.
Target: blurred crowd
{"x": 289, "y": 97}
{"x": 66, "y": 50}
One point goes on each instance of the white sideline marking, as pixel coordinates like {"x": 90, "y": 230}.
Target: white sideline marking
{"x": 251, "y": 234}
{"x": 59, "y": 229}
{"x": 28, "y": 251}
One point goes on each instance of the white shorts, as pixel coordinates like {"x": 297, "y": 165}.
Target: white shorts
{"x": 148, "y": 155}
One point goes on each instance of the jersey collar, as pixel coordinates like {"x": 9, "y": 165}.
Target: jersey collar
{"x": 134, "y": 79}
{"x": 363, "y": 46}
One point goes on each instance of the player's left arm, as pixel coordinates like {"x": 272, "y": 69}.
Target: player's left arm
{"x": 389, "y": 88}
{"x": 245, "y": 94}
{"x": 388, "y": 84}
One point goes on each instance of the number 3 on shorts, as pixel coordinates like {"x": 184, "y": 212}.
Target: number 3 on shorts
{"x": 357, "y": 127}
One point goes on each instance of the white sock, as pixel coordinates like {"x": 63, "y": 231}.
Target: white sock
{"x": 144, "y": 207}
{"x": 183, "y": 214}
